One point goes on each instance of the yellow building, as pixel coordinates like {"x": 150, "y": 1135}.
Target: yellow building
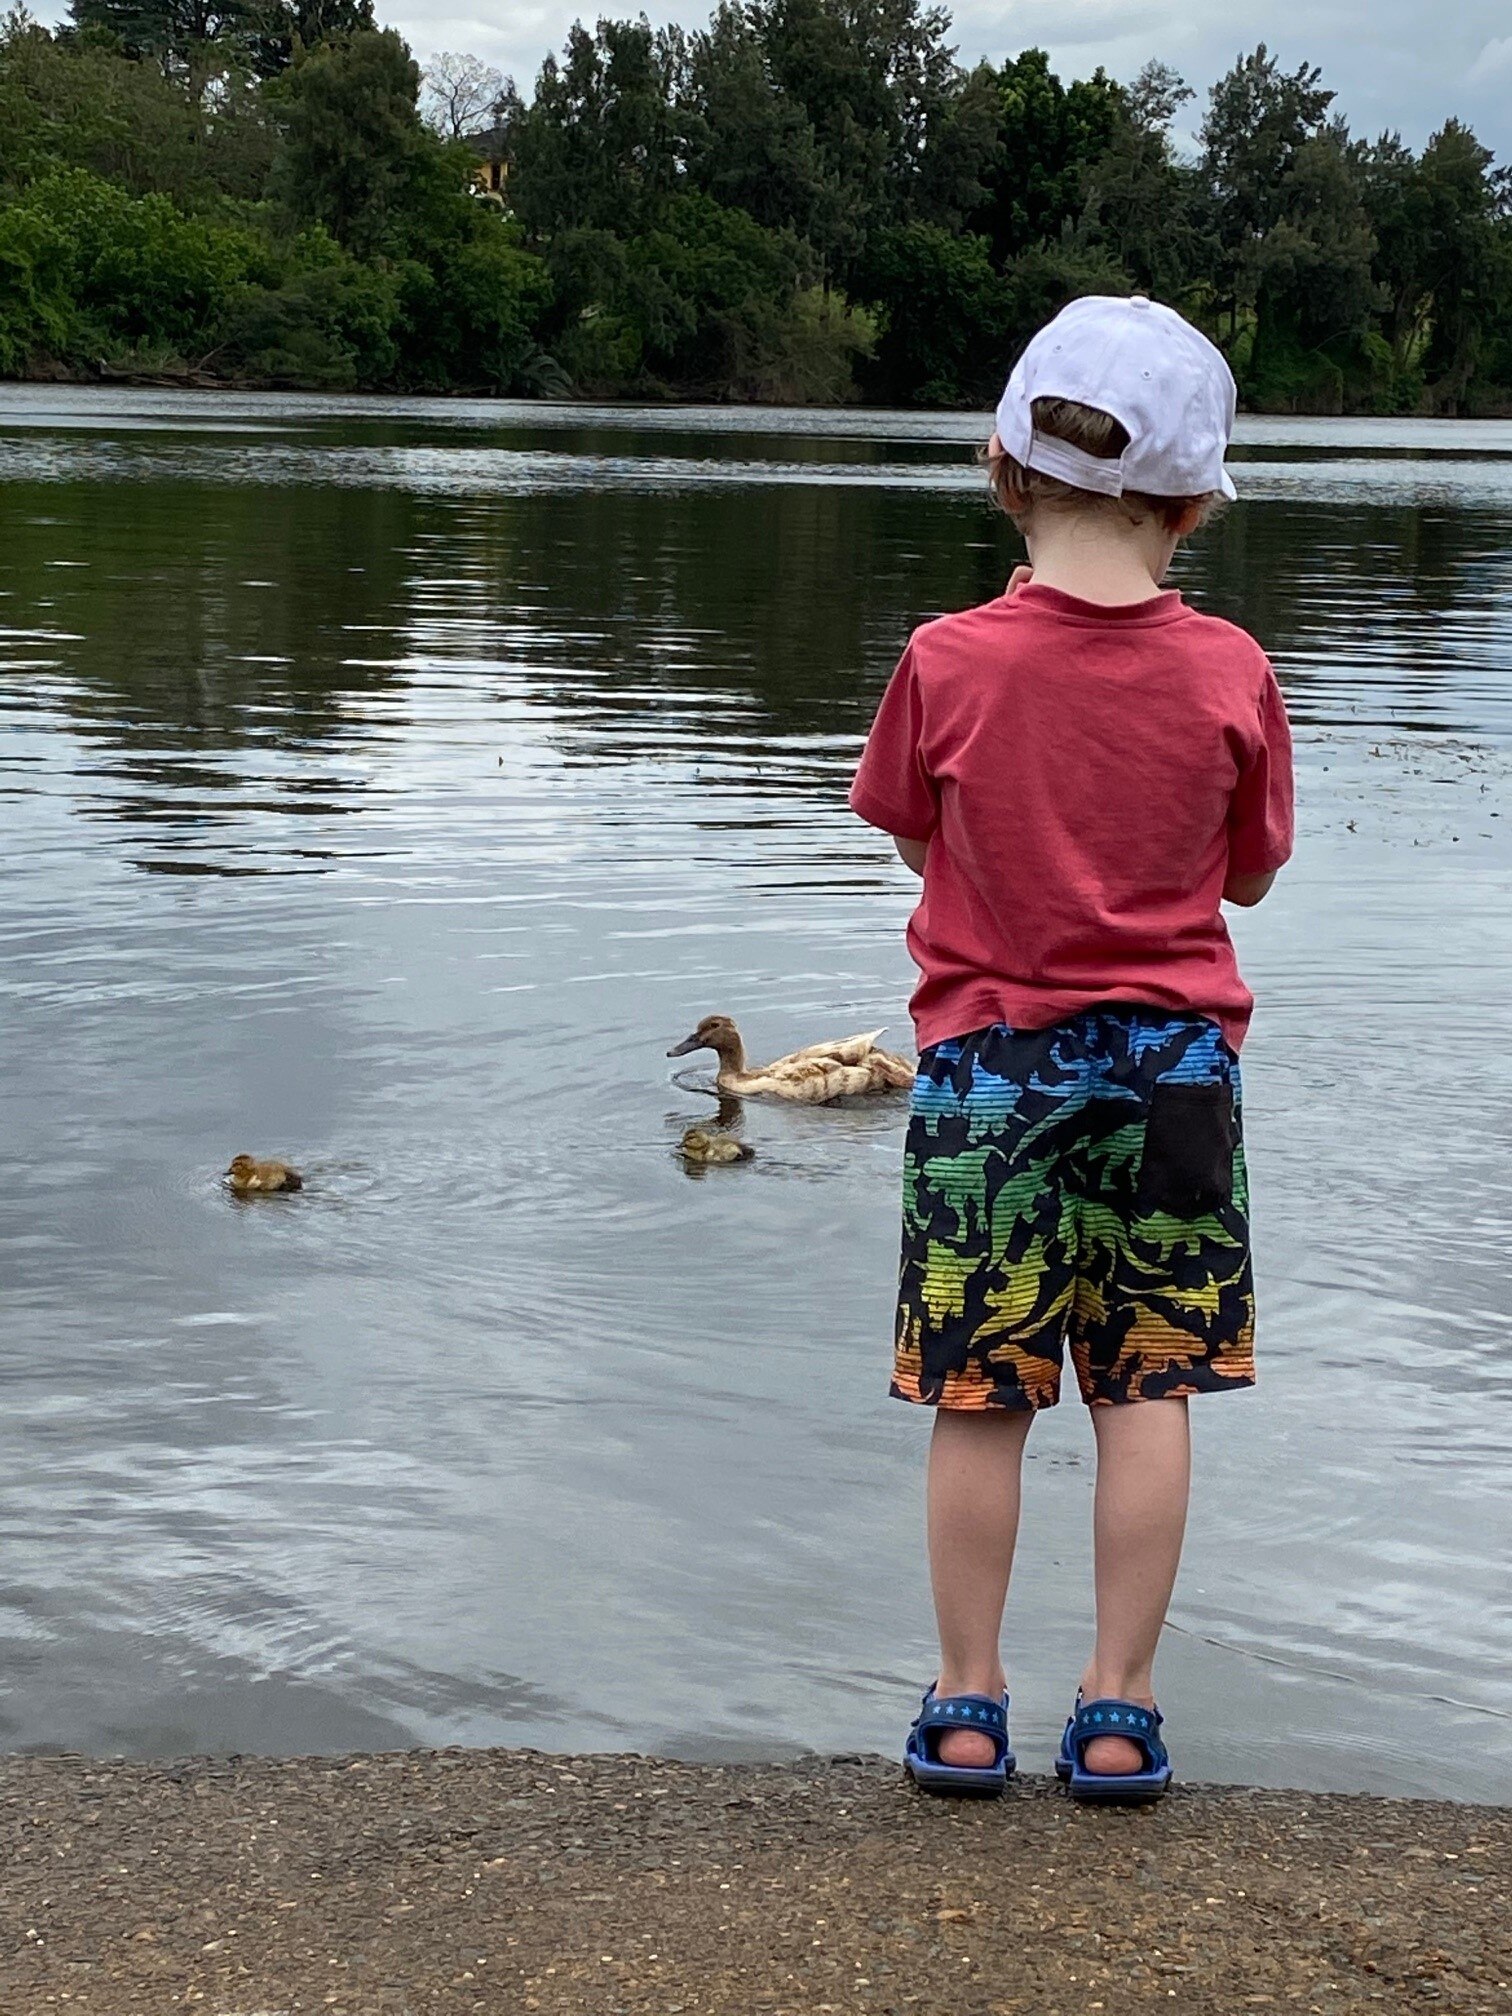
{"x": 491, "y": 171}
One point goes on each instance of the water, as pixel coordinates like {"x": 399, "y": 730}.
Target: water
{"x": 387, "y": 786}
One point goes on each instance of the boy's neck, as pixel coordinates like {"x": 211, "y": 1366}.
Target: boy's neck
{"x": 1098, "y": 558}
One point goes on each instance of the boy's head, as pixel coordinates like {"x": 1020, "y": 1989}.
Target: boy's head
{"x": 1116, "y": 405}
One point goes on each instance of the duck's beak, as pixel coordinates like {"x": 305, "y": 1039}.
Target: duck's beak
{"x": 687, "y": 1044}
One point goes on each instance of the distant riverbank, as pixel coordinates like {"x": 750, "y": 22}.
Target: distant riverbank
{"x": 514, "y": 1882}
{"x": 191, "y": 378}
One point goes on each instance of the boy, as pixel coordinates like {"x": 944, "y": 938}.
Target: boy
{"x": 1080, "y": 772}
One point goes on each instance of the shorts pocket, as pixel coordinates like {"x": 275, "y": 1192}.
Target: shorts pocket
{"x": 1187, "y": 1168}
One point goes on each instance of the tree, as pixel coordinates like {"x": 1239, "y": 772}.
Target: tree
{"x": 1393, "y": 193}
{"x": 1462, "y": 200}
{"x": 1314, "y": 290}
{"x": 1155, "y": 97}
{"x": 963, "y": 153}
{"x": 870, "y": 77}
{"x": 944, "y": 309}
{"x": 748, "y": 144}
{"x": 1049, "y": 135}
{"x": 192, "y": 40}
{"x": 1142, "y": 205}
{"x": 459, "y": 95}
{"x": 354, "y": 156}
{"x": 1258, "y": 120}
{"x": 279, "y": 28}
{"x": 596, "y": 147}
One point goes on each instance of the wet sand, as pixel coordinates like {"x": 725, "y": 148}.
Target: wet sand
{"x": 516, "y": 1882}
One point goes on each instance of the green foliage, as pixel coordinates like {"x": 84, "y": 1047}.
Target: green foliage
{"x": 1466, "y": 250}
{"x": 278, "y": 29}
{"x": 1310, "y": 274}
{"x": 1259, "y": 119}
{"x": 1142, "y": 207}
{"x": 805, "y": 199}
{"x": 1049, "y": 135}
{"x": 353, "y": 143}
{"x": 328, "y": 321}
{"x": 705, "y": 299}
{"x": 36, "y": 306}
{"x": 748, "y": 144}
{"x": 140, "y": 275}
{"x": 595, "y": 148}
{"x": 468, "y": 313}
{"x": 945, "y": 310}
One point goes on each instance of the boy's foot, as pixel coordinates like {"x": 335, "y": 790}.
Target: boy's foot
{"x": 970, "y": 1749}
{"x": 1113, "y": 1756}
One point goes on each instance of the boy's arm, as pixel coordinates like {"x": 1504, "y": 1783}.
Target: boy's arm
{"x": 1245, "y": 890}
{"x": 893, "y": 789}
{"x": 1260, "y": 813}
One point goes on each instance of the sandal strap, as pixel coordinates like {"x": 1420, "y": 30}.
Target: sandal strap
{"x": 980, "y": 1712}
{"x": 1109, "y": 1717}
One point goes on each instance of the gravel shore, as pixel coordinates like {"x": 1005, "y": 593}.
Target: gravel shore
{"x": 513, "y": 1882}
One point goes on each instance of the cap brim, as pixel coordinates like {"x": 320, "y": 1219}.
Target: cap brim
{"x": 1227, "y": 483}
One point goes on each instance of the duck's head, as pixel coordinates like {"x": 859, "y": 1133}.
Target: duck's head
{"x": 699, "y": 1144}
{"x": 715, "y": 1032}
{"x": 242, "y": 1169}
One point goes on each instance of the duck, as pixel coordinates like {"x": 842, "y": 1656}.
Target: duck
{"x": 848, "y": 1068}
{"x": 248, "y": 1177}
{"x": 708, "y": 1148}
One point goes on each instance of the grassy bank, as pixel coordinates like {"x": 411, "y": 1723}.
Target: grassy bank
{"x": 514, "y": 1882}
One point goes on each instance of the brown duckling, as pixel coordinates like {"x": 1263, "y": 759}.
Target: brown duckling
{"x": 706, "y": 1147}
{"x": 847, "y": 1068}
{"x": 248, "y": 1177}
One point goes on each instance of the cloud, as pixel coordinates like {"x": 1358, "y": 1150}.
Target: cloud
{"x": 1071, "y": 24}
{"x": 1495, "y": 60}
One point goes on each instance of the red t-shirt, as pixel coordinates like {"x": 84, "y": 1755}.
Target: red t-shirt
{"x": 1087, "y": 779}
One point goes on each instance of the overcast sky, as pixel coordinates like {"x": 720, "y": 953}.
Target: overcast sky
{"x": 1408, "y": 64}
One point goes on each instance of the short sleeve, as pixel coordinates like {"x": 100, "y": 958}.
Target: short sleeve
{"x": 1260, "y": 812}
{"x": 893, "y": 789}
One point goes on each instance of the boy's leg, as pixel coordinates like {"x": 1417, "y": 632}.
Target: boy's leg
{"x": 975, "y": 1460}
{"x": 1165, "y": 1309}
{"x": 1138, "y": 1520}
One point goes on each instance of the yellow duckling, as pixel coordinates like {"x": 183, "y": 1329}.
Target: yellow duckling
{"x": 248, "y": 1177}
{"x": 847, "y": 1068}
{"x": 707, "y": 1148}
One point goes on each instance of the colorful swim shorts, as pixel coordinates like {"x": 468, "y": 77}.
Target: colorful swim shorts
{"x": 1083, "y": 1182}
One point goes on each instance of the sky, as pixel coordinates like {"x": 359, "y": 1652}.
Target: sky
{"x": 1404, "y": 64}
{"x": 1396, "y": 64}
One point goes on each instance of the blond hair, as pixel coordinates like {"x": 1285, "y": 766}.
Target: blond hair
{"x": 1018, "y": 489}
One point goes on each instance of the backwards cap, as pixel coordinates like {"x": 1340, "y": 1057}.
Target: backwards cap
{"x": 1169, "y": 387}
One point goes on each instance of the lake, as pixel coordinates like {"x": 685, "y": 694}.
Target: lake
{"x": 387, "y": 784}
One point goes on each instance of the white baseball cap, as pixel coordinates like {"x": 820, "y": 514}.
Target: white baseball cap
{"x": 1171, "y": 389}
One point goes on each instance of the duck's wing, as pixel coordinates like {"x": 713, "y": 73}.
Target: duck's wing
{"x": 843, "y": 1050}
{"x": 808, "y": 1081}
{"x": 892, "y": 1073}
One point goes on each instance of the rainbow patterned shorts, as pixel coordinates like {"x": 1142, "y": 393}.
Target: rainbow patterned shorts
{"x": 1083, "y": 1183}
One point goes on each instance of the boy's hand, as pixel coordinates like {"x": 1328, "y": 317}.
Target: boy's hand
{"x": 1019, "y": 578}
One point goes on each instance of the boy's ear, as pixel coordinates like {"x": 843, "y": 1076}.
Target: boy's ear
{"x": 1191, "y": 517}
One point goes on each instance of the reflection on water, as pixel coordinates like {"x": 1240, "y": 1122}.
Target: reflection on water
{"x": 388, "y": 786}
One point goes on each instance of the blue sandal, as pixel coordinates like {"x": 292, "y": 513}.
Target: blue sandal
{"x": 1114, "y": 1718}
{"x": 921, "y": 1753}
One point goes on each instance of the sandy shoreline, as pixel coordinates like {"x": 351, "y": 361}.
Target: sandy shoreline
{"x": 515, "y": 1882}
